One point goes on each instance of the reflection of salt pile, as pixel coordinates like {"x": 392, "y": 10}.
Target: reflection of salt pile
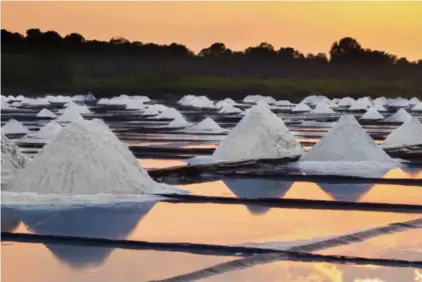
{"x": 400, "y": 116}
{"x": 90, "y": 222}
{"x": 70, "y": 114}
{"x": 208, "y": 124}
{"x": 322, "y": 108}
{"x": 14, "y": 127}
{"x": 45, "y": 113}
{"x": 301, "y": 108}
{"x": 372, "y": 114}
{"x": 347, "y": 192}
{"x": 346, "y": 141}
{"x": 47, "y": 132}
{"x": 257, "y": 188}
{"x": 179, "y": 122}
{"x": 12, "y": 159}
{"x": 260, "y": 134}
{"x": 84, "y": 158}
{"x": 408, "y": 134}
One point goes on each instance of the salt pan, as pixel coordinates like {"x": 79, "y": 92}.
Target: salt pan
{"x": 372, "y": 114}
{"x": 260, "y": 134}
{"x": 408, "y": 134}
{"x": 400, "y": 116}
{"x": 45, "y": 113}
{"x": 346, "y": 141}
{"x": 84, "y": 158}
{"x": 14, "y": 127}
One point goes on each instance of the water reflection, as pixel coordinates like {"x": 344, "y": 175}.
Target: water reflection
{"x": 160, "y": 163}
{"x": 346, "y": 192}
{"x": 257, "y": 188}
{"x": 97, "y": 222}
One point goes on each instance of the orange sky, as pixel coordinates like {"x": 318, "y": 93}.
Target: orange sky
{"x": 308, "y": 26}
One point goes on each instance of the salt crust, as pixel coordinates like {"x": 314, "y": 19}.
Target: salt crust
{"x": 260, "y": 134}
{"x": 408, "y": 134}
{"x": 346, "y": 141}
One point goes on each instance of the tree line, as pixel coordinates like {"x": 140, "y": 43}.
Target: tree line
{"x": 344, "y": 51}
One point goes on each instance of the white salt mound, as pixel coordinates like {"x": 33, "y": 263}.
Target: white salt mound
{"x": 227, "y": 101}
{"x": 380, "y": 101}
{"x": 169, "y": 113}
{"x": 346, "y": 102}
{"x": 414, "y": 101}
{"x": 398, "y": 102}
{"x": 408, "y": 134}
{"x": 179, "y": 121}
{"x": 4, "y": 104}
{"x": 12, "y": 159}
{"x": 45, "y": 113}
{"x": 301, "y": 108}
{"x": 69, "y": 115}
{"x": 417, "y": 107}
{"x": 322, "y": 108}
{"x": 361, "y": 104}
{"x": 84, "y": 158}
{"x": 47, "y": 132}
{"x": 372, "y": 114}
{"x": 260, "y": 134}
{"x": 76, "y": 108}
{"x": 208, "y": 124}
{"x": 283, "y": 103}
{"x": 400, "y": 116}
{"x": 229, "y": 109}
{"x": 14, "y": 127}
{"x": 346, "y": 141}
{"x": 379, "y": 107}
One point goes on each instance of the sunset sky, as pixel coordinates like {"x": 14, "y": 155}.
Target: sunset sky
{"x": 312, "y": 26}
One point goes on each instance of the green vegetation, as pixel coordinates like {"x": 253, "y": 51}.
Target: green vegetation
{"x": 46, "y": 62}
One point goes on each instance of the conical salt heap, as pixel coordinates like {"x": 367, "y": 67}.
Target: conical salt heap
{"x": 14, "y": 127}
{"x": 346, "y": 141}
{"x": 208, "y": 124}
{"x": 400, "y": 116}
{"x": 302, "y": 107}
{"x": 408, "y": 134}
{"x": 70, "y": 114}
{"x": 322, "y": 108}
{"x": 372, "y": 114}
{"x": 259, "y": 135}
{"x": 84, "y": 158}
{"x": 47, "y": 132}
{"x": 11, "y": 159}
{"x": 46, "y": 113}
{"x": 178, "y": 122}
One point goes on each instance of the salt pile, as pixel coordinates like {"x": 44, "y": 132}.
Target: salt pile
{"x": 257, "y": 98}
{"x": 208, "y": 124}
{"x": 179, "y": 122}
{"x": 229, "y": 109}
{"x": 346, "y": 141}
{"x": 315, "y": 100}
{"x": 11, "y": 159}
{"x": 84, "y": 158}
{"x": 16, "y": 104}
{"x": 346, "y": 102}
{"x": 260, "y": 134}
{"x": 283, "y": 103}
{"x": 379, "y": 107}
{"x": 197, "y": 102}
{"x": 380, "y": 101}
{"x": 76, "y": 108}
{"x": 227, "y": 101}
{"x": 4, "y": 104}
{"x": 14, "y": 127}
{"x": 414, "y": 101}
{"x": 372, "y": 114}
{"x": 408, "y": 134}
{"x": 398, "y": 103}
{"x": 301, "y": 108}
{"x": 417, "y": 107}
{"x": 69, "y": 115}
{"x": 78, "y": 98}
{"x": 333, "y": 105}
{"x": 45, "y": 113}
{"x": 90, "y": 97}
{"x": 400, "y": 116}
{"x": 361, "y": 104}
{"x": 58, "y": 99}
{"x": 47, "y": 132}
{"x": 322, "y": 108}
{"x": 40, "y": 102}
{"x": 169, "y": 113}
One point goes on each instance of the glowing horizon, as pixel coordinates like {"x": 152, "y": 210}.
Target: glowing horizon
{"x": 310, "y": 27}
